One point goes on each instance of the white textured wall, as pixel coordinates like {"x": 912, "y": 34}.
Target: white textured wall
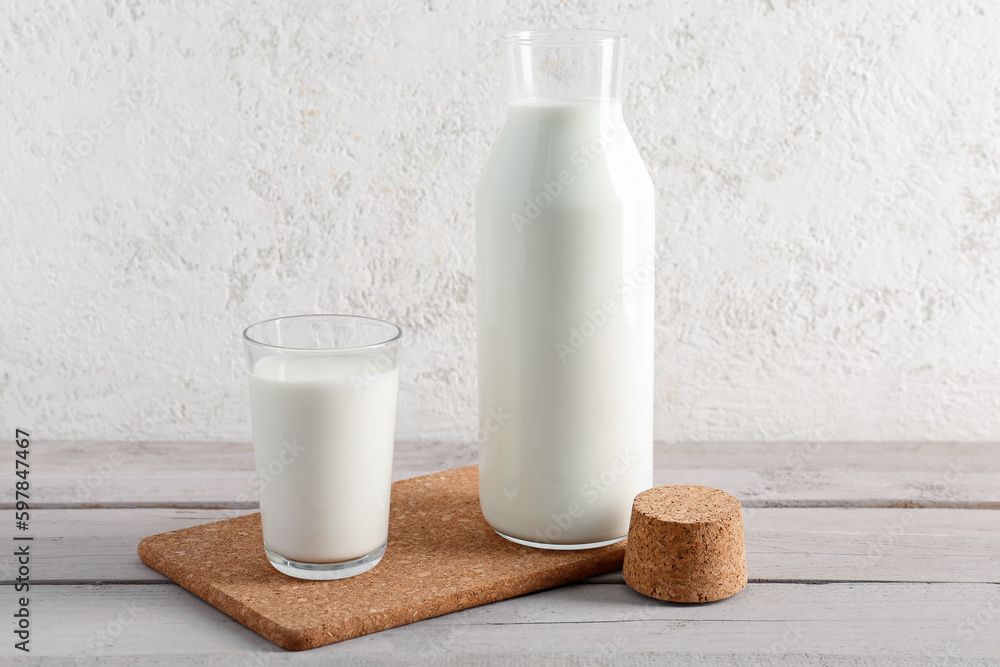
{"x": 828, "y": 183}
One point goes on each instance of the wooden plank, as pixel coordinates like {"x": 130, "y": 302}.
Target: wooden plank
{"x": 839, "y": 474}
{"x": 99, "y": 545}
{"x": 129, "y": 474}
{"x": 783, "y": 544}
{"x": 115, "y": 474}
{"x": 783, "y": 624}
{"x": 863, "y": 544}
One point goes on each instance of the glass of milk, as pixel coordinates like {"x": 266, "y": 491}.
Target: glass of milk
{"x": 565, "y": 259}
{"x": 323, "y": 407}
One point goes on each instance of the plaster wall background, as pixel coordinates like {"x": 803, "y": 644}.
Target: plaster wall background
{"x": 828, "y": 197}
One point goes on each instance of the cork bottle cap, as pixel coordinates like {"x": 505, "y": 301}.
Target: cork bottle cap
{"x": 685, "y": 544}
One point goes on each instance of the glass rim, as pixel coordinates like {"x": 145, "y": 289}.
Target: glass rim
{"x": 565, "y": 37}
{"x": 324, "y": 350}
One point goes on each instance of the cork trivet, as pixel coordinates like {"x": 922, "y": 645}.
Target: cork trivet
{"x": 442, "y": 556}
{"x": 685, "y": 544}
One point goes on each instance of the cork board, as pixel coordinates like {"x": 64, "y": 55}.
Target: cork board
{"x": 442, "y": 556}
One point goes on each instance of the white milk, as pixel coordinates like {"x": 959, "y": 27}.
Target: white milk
{"x": 323, "y": 431}
{"x": 564, "y": 243}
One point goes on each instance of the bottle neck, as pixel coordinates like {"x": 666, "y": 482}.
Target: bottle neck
{"x": 546, "y": 66}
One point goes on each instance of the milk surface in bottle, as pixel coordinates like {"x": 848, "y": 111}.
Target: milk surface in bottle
{"x": 564, "y": 252}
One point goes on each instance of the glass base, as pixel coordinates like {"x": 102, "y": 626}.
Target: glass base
{"x": 325, "y": 571}
{"x": 560, "y": 547}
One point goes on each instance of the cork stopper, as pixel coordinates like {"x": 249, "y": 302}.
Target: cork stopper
{"x": 685, "y": 544}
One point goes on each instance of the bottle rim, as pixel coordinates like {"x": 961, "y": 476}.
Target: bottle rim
{"x": 579, "y": 38}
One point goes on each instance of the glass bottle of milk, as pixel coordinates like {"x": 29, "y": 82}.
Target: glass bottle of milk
{"x": 565, "y": 258}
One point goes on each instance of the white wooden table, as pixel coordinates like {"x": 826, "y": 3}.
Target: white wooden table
{"x": 857, "y": 553}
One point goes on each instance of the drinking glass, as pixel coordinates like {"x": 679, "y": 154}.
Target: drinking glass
{"x": 323, "y": 407}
